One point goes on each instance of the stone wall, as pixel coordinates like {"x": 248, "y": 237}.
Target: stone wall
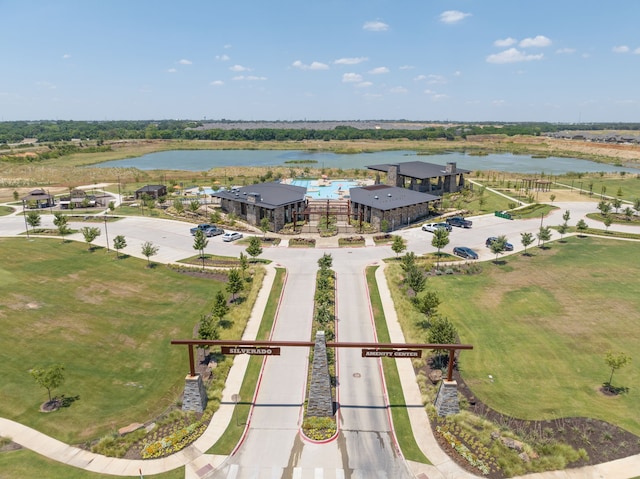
{"x": 320, "y": 399}
{"x": 195, "y": 394}
{"x": 447, "y": 402}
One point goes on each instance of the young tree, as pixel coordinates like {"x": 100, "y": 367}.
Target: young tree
{"x": 442, "y": 331}
{"x": 194, "y": 206}
{"x": 178, "y": 206}
{"x": 408, "y": 261}
{"x": 60, "y": 221}
{"x": 604, "y": 207}
{"x": 149, "y": 250}
{"x": 264, "y": 226}
{"x": 254, "y": 249}
{"x": 208, "y": 329}
{"x": 416, "y": 280}
{"x": 200, "y": 242}
{"x": 616, "y": 203}
{"x": 428, "y": 303}
{"x": 398, "y": 245}
{"x": 244, "y": 264}
{"x": 440, "y": 240}
{"x": 526, "y": 239}
{"x": 234, "y": 283}
{"x": 628, "y": 213}
{"x": 49, "y": 378}
{"x": 90, "y": 233}
{"x": 119, "y": 243}
{"x": 498, "y": 246}
{"x": 615, "y": 362}
{"x": 562, "y": 229}
{"x": 552, "y": 198}
{"x": 636, "y": 205}
{"x": 325, "y": 261}
{"x": 215, "y": 217}
{"x": 220, "y": 307}
{"x": 566, "y": 216}
{"x": 607, "y": 220}
{"x": 33, "y": 219}
{"x": 544, "y": 234}
{"x": 582, "y": 226}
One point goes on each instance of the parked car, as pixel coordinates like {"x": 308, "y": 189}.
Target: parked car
{"x": 459, "y": 221}
{"x": 492, "y": 239}
{"x": 231, "y": 236}
{"x": 465, "y": 252}
{"x": 213, "y": 231}
{"x": 432, "y": 227}
{"x": 201, "y": 227}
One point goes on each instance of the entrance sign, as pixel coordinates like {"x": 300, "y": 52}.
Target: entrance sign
{"x": 391, "y": 353}
{"x": 250, "y": 350}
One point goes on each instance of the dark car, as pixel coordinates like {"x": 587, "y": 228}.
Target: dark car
{"x": 459, "y": 221}
{"x": 492, "y": 239}
{"x": 465, "y": 252}
{"x": 201, "y": 227}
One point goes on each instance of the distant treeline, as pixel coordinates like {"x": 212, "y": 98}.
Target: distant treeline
{"x": 53, "y": 131}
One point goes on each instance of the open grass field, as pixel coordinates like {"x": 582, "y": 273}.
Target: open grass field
{"x": 109, "y": 322}
{"x": 541, "y": 326}
{"x": 24, "y": 464}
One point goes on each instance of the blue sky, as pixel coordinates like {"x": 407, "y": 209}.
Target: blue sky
{"x": 465, "y": 60}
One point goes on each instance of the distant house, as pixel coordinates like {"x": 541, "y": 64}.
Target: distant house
{"x": 397, "y": 206}
{"x": 424, "y": 177}
{"x": 275, "y": 201}
{"x": 38, "y": 199}
{"x": 77, "y": 199}
{"x": 154, "y": 191}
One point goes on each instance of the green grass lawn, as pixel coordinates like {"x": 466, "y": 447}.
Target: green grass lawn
{"x": 108, "y": 321}
{"x": 25, "y": 464}
{"x": 541, "y": 325}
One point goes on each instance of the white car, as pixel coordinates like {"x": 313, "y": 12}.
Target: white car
{"x": 231, "y": 236}
{"x": 432, "y": 227}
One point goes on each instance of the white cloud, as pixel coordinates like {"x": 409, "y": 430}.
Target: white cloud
{"x": 399, "y": 89}
{"x": 565, "y": 51}
{"x": 453, "y": 16}
{"x": 407, "y": 67}
{"x": 436, "y": 80}
{"x": 239, "y": 68}
{"x": 376, "y": 26}
{"x": 216, "y": 83}
{"x": 227, "y": 46}
{"x": 505, "y": 42}
{"x": 498, "y": 102}
{"x": 439, "y": 96}
{"x": 364, "y": 84}
{"x": 45, "y": 84}
{"x": 420, "y": 78}
{"x": 620, "y": 49}
{"x": 379, "y": 70}
{"x": 512, "y": 55}
{"x": 171, "y": 70}
{"x": 538, "y": 41}
{"x": 351, "y": 78}
{"x": 313, "y": 66}
{"x": 636, "y": 51}
{"x": 66, "y": 56}
{"x": 350, "y": 61}
{"x": 249, "y": 78}
{"x": 185, "y": 62}
{"x": 223, "y": 58}
{"x": 457, "y": 73}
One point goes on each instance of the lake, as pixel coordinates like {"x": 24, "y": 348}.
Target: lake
{"x": 203, "y": 160}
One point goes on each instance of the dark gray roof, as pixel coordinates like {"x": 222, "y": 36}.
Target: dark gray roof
{"x": 268, "y": 195}
{"x": 151, "y": 188}
{"x": 417, "y": 169}
{"x": 385, "y": 197}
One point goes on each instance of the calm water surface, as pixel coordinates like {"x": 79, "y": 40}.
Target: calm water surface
{"x": 202, "y": 160}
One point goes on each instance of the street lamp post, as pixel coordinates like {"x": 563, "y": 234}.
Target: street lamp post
{"x": 106, "y": 233}
{"x": 24, "y": 213}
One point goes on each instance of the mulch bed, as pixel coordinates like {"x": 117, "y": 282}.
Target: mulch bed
{"x": 602, "y": 441}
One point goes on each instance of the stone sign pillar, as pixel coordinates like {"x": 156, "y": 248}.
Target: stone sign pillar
{"x": 447, "y": 402}
{"x": 195, "y": 394}
{"x": 320, "y": 399}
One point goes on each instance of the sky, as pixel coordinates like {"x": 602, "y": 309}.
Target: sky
{"x": 562, "y": 61}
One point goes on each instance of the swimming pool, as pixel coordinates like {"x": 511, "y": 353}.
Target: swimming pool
{"x": 332, "y": 190}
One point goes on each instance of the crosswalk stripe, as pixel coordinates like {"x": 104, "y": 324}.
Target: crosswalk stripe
{"x": 297, "y": 473}
{"x": 317, "y": 473}
{"x": 233, "y": 471}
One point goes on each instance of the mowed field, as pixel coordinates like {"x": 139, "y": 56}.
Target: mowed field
{"x": 108, "y": 321}
{"x": 541, "y": 326}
